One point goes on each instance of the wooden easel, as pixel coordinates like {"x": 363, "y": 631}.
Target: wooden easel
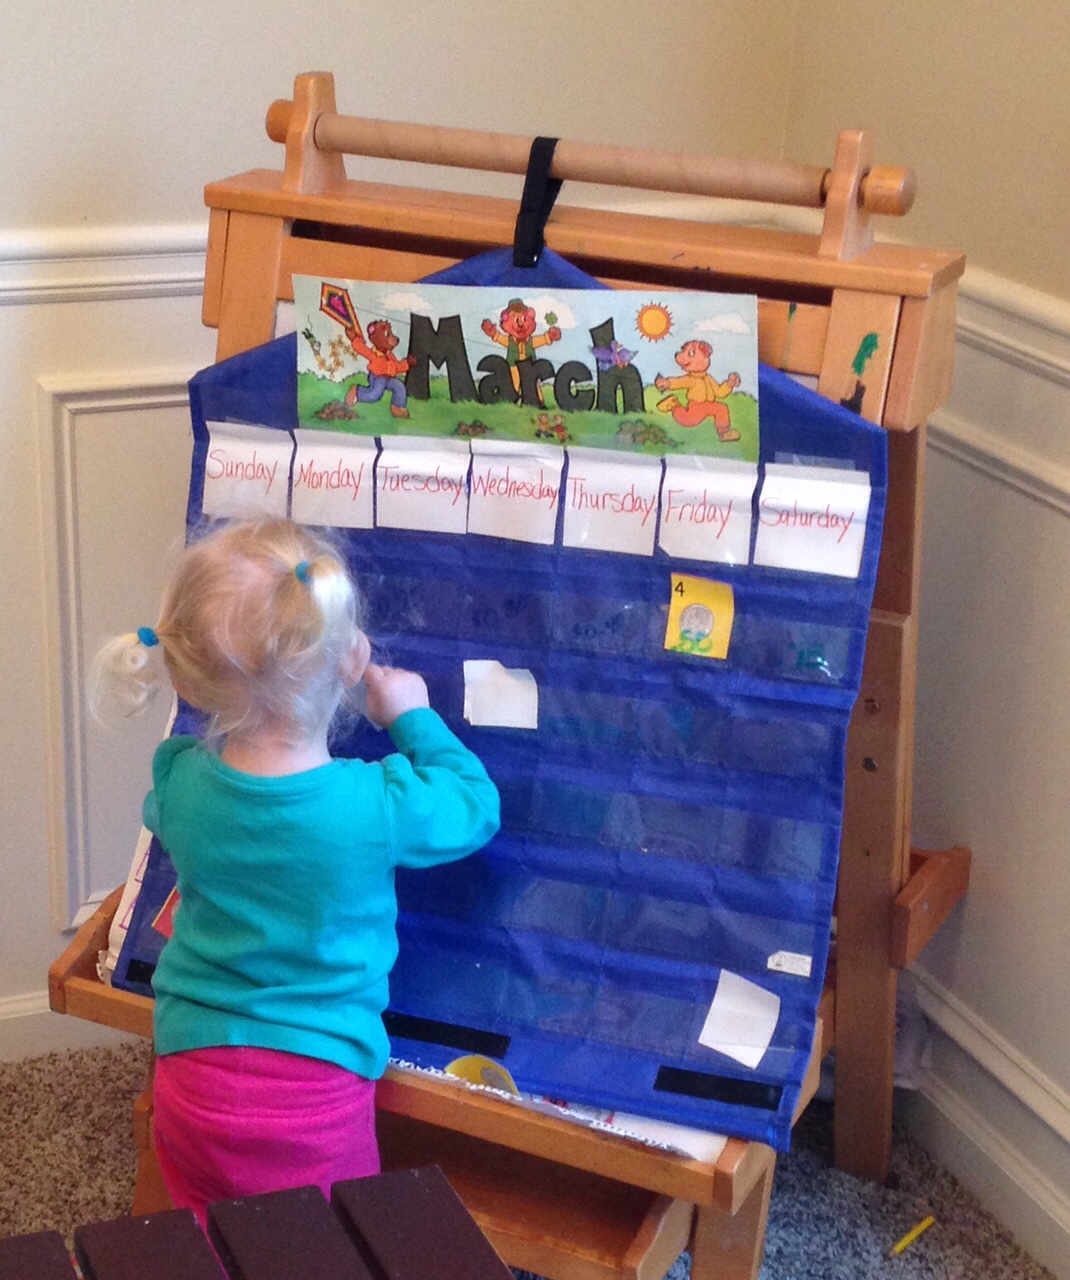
{"x": 554, "y": 1198}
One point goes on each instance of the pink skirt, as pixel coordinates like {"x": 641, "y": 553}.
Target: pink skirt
{"x": 233, "y": 1122}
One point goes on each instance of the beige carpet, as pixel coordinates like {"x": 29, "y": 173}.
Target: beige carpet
{"x": 66, "y": 1146}
{"x": 67, "y": 1158}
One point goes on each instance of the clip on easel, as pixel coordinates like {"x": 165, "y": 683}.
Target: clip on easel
{"x": 874, "y": 324}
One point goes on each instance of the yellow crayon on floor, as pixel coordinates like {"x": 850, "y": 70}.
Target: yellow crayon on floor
{"x": 911, "y": 1236}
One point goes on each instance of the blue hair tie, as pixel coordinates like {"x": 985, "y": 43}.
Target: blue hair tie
{"x": 301, "y": 572}
{"x": 148, "y": 637}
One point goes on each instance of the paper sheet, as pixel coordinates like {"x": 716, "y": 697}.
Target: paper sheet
{"x": 246, "y": 470}
{"x": 422, "y": 484}
{"x": 706, "y": 509}
{"x": 696, "y": 1143}
{"x": 516, "y": 489}
{"x": 611, "y": 501}
{"x": 812, "y": 518}
{"x": 334, "y": 480}
{"x": 741, "y": 1020}
{"x": 661, "y": 1134}
{"x": 120, "y": 924}
{"x": 507, "y": 698}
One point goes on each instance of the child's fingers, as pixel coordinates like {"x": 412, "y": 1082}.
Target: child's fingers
{"x": 381, "y": 674}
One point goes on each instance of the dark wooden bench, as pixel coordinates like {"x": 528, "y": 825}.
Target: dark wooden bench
{"x": 404, "y": 1225}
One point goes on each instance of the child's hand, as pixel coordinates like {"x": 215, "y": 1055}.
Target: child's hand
{"x": 391, "y": 693}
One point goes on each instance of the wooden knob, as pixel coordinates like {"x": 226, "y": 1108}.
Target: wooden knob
{"x": 278, "y": 119}
{"x": 889, "y": 190}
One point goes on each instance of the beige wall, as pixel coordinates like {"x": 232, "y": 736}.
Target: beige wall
{"x": 116, "y": 113}
{"x": 975, "y": 95}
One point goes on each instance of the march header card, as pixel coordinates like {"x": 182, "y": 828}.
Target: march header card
{"x": 635, "y": 371}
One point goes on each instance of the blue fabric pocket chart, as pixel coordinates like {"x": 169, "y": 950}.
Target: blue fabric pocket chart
{"x": 649, "y": 931}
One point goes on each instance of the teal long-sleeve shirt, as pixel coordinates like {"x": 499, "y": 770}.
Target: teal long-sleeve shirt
{"x": 286, "y": 930}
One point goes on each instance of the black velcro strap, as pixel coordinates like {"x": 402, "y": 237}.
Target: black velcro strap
{"x": 536, "y": 203}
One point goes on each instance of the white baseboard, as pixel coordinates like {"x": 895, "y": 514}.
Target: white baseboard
{"x": 29, "y": 1029}
{"x": 995, "y": 1055}
{"x": 998, "y": 1123}
{"x": 1033, "y": 1208}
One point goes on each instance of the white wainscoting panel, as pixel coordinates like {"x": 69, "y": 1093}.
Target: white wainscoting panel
{"x": 115, "y": 458}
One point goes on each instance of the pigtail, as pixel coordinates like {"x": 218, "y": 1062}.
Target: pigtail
{"x": 332, "y": 591}
{"x": 126, "y": 675}
{"x": 257, "y": 623}
{"x": 337, "y": 609}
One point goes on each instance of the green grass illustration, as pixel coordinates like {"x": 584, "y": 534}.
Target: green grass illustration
{"x": 321, "y": 406}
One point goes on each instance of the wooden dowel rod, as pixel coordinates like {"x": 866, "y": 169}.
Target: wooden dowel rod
{"x": 889, "y": 190}
{"x": 575, "y": 161}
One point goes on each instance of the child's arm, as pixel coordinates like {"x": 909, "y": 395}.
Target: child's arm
{"x": 162, "y": 761}
{"x": 440, "y": 803}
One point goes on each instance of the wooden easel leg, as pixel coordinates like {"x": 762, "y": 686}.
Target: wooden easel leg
{"x": 150, "y": 1194}
{"x": 875, "y": 846}
{"x": 862, "y": 1122}
{"x": 727, "y": 1247}
{"x": 250, "y": 282}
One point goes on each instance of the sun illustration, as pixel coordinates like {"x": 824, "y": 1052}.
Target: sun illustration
{"x": 654, "y": 321}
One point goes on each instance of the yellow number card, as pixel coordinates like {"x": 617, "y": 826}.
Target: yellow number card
{"x": 700, "y": 617}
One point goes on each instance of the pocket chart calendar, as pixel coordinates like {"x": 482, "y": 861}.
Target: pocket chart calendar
{"x": 650, "y": 630}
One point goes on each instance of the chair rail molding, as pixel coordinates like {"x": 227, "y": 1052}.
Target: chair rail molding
{"x": 99, "y": 264}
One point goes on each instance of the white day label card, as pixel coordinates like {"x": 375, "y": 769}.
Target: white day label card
{"x": 515, "y": 490}
{"x": 246, "y": 470}
{"x": 812, "y": 518}
{"x": 706, "y": 509}
{"x": 611, "y": 501}
{"x": 422, "y": 484}
{"x": 334, "y": 480}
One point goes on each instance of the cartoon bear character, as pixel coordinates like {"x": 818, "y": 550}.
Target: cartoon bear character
{"x": 384, "y": 368}
{"x": 703, "y": 396}
{"x": 517, "y": 335}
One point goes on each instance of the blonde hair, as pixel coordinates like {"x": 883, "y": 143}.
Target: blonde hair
{"x": 254, "y": 628}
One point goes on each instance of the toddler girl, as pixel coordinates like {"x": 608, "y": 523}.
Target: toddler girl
{"x": 270, "y": 992}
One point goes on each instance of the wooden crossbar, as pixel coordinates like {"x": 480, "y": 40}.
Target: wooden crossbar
{"x": 883, "y": 189}
{"x": 851, "y": 192}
